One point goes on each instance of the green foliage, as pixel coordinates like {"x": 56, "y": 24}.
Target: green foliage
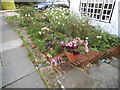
{"x": 94, "y": 49}
{"x": 8, "y": 5}
{"x": 81, "y": 49}
{"x": 49, "y": 55}
{"x": 57, "y": 50}
{"x": 28, "y": 10}
{"x": 107, "y": 61}
{"x": 41, "y": 45}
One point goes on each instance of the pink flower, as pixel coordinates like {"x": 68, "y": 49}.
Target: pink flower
{"x": 81, "y": 42}
{"x": 86, "y": 49}
{"x": 86, "y": 46}
{"x": 70, "y": 44}
{"x": 67, "y": 44}
{"x": 78, "y": 38}
{"x": 54, "y": 61}
{"x": 86, "y": 42}
{"x": 74, "y": 41}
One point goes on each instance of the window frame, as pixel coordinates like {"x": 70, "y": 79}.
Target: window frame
{"x": 90, "y": 8}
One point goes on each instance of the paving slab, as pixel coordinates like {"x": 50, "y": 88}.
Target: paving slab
{"x": 31, "y": 81}
{"x": 0, "y": 76}
{"x": 0, "y": 20}
{"x": 109, "y": 70}
{"x": 7, "y": 31}
{"x": 14, "y": 55}
{"x": 105, "y": 75}
{"x": 16, "y": 70}
{"x": 8, "y": 36}
{"x": 0, "y": 30}
{"x": 0, "y": 59}
{"x": 10, "y": 45}
{"x": 114, "y": 62}
{"x": 4, "y": 25}
{"x": 110, "y": 82}
{"x": 76, "y": 78}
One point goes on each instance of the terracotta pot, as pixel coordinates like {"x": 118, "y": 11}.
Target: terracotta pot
{"x": 71, "y": 57}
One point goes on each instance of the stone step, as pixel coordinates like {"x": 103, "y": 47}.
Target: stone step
{"x": 76, "y": 78}
{"x": 105, "y": 74}
{"x": 114, "y": 62}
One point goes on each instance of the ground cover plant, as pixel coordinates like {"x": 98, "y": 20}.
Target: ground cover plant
{"x": 49, "y": 27}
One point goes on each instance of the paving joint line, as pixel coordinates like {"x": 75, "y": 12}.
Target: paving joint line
{"x": 18, "y": 79}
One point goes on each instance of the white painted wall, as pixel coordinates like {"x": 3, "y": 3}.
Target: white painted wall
{"x": 111, "y": 27}
{"x": 119, "y": 18}
{"x": 74, "y": 5}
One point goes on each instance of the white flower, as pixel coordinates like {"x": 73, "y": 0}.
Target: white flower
{"x": 56, "y": 17}
{"x": 98, "y": 36}
{"x": 28, "y": 14}
{"x": 45, "y": 14}
{"x": 62, "y": 13}
{"x": 18, "y": 16}
{"x": 40, "y": 33}
{"x": 31, "y": 18}
{"x": 87, "y": 38}
{"x": 63, "y": 24}
{"x": 22, "y": 17}
{"x": 83, "y": 24}
{"x": 51, "y": 34}
{"x": 58, "y": 22}
{"x": 45, "y": 28}
{"x": 36, "y": 67}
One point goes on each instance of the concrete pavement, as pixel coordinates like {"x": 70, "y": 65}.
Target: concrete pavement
{"x": 17, "y": 70}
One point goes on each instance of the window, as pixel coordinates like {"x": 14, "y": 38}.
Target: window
{"x": 97, "y": 9}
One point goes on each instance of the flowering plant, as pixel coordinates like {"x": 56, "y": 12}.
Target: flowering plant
{"x": 73, "y": 45}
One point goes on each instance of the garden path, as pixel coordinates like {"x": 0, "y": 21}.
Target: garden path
{"x": 16, "y": 70}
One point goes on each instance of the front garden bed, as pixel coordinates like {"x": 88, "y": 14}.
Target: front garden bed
{"x": 47, "y": 29}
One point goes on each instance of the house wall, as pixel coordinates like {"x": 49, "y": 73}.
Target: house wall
{"x": 119, "y": 18}
{"x": 111, "y": 27}
{"x": 74, "y": 5}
